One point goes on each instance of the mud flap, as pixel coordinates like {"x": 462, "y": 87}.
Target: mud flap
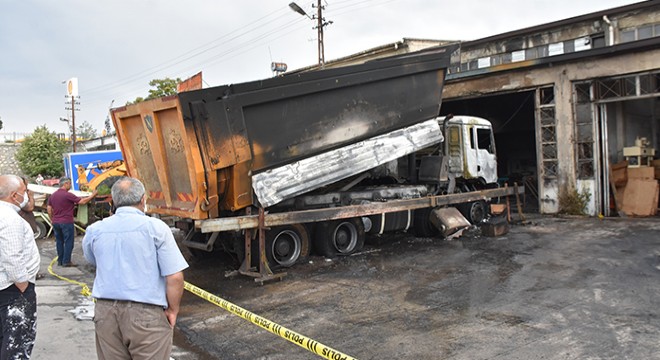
{"x": 449, "y": 221}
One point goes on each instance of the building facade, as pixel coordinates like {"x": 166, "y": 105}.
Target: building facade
{"x": 564, "y": 97}
{"x": 593, "y": 86}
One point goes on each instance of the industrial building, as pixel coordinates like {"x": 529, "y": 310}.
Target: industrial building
{"x": 564, "y": 97}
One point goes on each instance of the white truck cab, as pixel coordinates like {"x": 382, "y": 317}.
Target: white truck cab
{"x": 470, "y": 146}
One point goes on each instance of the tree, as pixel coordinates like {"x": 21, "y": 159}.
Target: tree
{"x": 0, "y": 124}
{"x": 164, "y": 87}
{"x": 85, "y": 131}
{"x": 41, "y": 153}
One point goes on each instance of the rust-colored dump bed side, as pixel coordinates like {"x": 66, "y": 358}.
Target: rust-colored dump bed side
{"x": 161, "y": 152}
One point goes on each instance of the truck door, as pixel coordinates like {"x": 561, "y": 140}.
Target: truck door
{"x": 481, "y": 157}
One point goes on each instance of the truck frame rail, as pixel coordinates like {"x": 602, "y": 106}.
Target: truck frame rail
{"x": 315, "y": 215}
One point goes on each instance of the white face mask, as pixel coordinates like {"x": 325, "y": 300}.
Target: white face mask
{"x": 25, "y": 200}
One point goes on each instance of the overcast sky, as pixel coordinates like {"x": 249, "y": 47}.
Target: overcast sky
{"x": 116, "y": 47}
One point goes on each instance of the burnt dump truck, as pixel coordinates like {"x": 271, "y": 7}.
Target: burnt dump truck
{"x": 272, "y": 170}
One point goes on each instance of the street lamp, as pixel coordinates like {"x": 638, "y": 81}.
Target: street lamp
{"x": 321, "y": 23}
{"x": 298, "y": 9}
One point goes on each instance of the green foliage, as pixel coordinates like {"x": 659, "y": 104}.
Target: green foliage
{"x": 85, "y": 131}
{"x": 103, "y": 189}
{"x": 41, "y": 153}
{"x": 164, "y": 87}
{"x": 573, "y": 202}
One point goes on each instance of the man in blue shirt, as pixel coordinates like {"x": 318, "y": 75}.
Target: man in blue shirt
{"x": 139, "y": 278}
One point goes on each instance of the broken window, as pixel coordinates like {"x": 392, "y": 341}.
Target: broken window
{"x": 547, "y": 96}
{"x": 484, "y": 139}
{"x": 582, "y": 44}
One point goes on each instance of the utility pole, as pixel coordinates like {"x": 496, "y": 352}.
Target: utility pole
{"x": 72, "y": 93}
{"x": 108, "y": 124}
{"x": 320, "y": 24}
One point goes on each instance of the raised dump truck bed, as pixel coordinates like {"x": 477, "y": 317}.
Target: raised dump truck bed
{"x": 312, "y": 162}
{"x": 197, "y": 151}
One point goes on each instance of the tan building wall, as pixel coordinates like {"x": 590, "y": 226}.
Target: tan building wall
{"x": 561, "y": 76}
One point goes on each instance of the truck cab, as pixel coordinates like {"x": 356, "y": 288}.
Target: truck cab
{"x": 470, "y": 147}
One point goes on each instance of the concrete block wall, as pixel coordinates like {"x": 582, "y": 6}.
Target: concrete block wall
{"x": 8, "y": 163}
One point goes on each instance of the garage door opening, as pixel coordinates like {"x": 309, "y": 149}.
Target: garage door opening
{"x": 512, "y": 117}
{"x": 626, "y": 122}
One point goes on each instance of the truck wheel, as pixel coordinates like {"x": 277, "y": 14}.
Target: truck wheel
{"x": 422, "y": 226}
{"x": 285, "y": 245}
{"x": 340, "y": 237}
{"x": 475, "y": 212}
{"x": 41, "y": 231}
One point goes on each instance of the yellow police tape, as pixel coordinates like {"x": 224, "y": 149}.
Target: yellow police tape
{"x": 85, "y": 289}
{"x": 294, "y": 337}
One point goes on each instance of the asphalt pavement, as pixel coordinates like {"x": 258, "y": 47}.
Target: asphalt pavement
{"x": 65, "y": 329}
{"x": 60, "y": 305}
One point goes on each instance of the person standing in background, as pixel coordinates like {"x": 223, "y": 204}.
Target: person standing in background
{"x": 19, "y": 265}
{"x": 60, "y": 210}
{"x": 139, "y": 278}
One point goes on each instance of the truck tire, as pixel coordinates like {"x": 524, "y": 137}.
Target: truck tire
{"x": 475, "y": 212}
{"x": 41, "y": 231}
{"x": 286, "y": 245}
{"x": 422, "y": 226}
{"x": 339, "y": 237}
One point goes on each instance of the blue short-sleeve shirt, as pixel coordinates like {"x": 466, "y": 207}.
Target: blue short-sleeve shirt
{"x": 133, "y": 254}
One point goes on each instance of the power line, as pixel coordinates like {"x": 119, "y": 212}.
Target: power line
{"x": 197, "y": 51}
{"x": 226, "y": 40}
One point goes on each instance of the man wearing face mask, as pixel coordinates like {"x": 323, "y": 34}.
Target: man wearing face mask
{"x": 139, "y": 278}
{"x": 60, "y": 210}
{"x": 19, "y": 265}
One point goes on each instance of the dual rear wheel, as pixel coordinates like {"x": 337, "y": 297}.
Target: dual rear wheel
{"x": 339, "y": 237}
{"x": 290, "y": 244}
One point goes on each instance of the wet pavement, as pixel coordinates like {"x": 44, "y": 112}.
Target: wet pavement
{"x": 555, "y": 288}
{"x": 64, "y": 326}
